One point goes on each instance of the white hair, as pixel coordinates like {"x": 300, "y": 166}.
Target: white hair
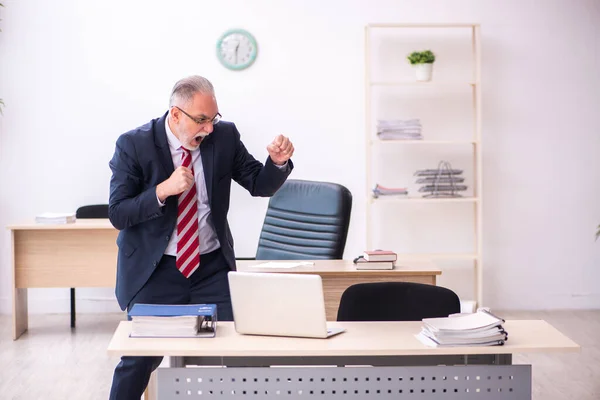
{"x": 185, "y": 89}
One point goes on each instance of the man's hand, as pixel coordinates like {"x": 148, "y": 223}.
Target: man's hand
{"x": 180, "y": 180}
{"x": 280, "y": 150}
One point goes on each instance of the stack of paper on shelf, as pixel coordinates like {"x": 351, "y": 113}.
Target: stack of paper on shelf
{"x": 477, "y": 329}
{"x": 399, "y": 129}
{"x": 55, "y": 218}
{"x": 376, "y": 259}
{"x": 169, "y": 320}
{"x": 379, "y": 190}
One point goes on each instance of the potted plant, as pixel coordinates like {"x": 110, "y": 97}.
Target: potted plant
{"x": 422, "y": 61}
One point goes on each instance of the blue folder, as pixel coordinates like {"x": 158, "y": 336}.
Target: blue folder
{"x": 173, "y": 310}
{"x": 206, "y": 313}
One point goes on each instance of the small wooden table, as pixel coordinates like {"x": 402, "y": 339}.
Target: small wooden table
{"x": 84, "y": 254}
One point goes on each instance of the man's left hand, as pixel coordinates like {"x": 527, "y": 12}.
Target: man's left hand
{"x": 280, "y": 150}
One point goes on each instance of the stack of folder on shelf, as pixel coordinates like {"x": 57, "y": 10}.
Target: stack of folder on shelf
{"x": 169, "y": 320}
{"x": 379, "y": 190}
{"x": 55, "y": 218}
{"x": 399, "y": 129}
{"x": 477, "y": 329}
{"x": 376, "y": 259}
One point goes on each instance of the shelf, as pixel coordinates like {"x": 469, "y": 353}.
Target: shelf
{"x": 422, "y": 142}
{"x": 381, "y": 87}
{"x": 409, "y": 199}
{"x": 407, "y": 25}
{"x": 448, "y": 256}
{"x": 417, "y": 83}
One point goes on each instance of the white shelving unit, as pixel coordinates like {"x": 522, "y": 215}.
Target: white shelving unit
{"x": 440, "y": 144}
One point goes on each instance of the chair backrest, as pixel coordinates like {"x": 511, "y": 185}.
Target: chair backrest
{"x": 92, "y": 211}
{"x": 396, "y": 301}
{"x": 306, "y": 220}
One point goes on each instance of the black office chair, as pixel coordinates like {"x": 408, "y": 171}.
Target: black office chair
{"x": 396, "y": 301}
{"x": 306, "y": 220}
{"x": 87, "y": 212}
{"x": 92, "y": 211}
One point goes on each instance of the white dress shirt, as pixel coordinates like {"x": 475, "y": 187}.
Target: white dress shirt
{"x": 208, "y": 236}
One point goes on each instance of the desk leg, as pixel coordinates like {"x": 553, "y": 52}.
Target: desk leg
{"x": 20, "y": 319}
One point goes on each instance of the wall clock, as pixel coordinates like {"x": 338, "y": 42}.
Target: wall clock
{"x": 236, "y": 49}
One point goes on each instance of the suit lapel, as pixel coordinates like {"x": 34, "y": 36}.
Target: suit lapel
{"x": 207, "y": 155}
{"x": 160, "y": 140}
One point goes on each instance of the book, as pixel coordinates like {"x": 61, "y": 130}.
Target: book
{"x": 379, "y": 190}
{"x": 361, "y": 263}
{"x": 173, "y": 320}
{"x": 55, "y": 218}
{"x": 380, "y": 255}
{"x": 481, "y": 328}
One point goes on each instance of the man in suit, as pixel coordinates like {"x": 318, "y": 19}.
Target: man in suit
{"x": 169, "y": 197}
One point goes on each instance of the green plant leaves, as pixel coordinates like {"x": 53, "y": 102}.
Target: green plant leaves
{"x": 421, "y": 57}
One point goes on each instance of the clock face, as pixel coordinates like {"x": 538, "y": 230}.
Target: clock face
{"x": 236, "y": 49}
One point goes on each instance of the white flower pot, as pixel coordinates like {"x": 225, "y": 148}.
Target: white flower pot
{"x": 424, "y": 71}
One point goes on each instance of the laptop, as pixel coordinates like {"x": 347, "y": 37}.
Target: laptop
{"x": 279, "y": 304}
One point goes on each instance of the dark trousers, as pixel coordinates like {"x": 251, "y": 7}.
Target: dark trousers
{"x": 208, "y": 284}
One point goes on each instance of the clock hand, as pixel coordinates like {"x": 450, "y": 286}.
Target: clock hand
{"x": 236, "y": 51}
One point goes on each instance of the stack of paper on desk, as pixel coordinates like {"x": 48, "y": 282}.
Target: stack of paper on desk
{"x": 167, "y": 320}
{"x": 478, "y": 329}
{"x": 55, "y": 218}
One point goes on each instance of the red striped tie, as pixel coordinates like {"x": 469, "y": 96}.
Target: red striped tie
{"x": 188, "y": 243}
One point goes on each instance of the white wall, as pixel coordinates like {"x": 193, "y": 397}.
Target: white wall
{"x": 77, "y": 74}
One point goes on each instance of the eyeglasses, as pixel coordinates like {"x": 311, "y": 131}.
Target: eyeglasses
{"x": 201, "y": 121}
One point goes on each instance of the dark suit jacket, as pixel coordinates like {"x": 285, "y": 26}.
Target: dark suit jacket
{"x": 141, "y": 161}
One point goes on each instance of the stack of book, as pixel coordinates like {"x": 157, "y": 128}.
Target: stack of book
{"x": 477, "y": 329}
{"x": 168, "y": 320}
{"x": 379, "y": 190}
{"x": 55, "y": 218}
{"x": 376, "y": 259}
{"x": 399, "y": 129}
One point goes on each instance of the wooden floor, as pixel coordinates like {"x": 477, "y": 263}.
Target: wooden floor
{"x": 53, "y": 362}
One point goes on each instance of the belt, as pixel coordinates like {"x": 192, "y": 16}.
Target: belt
{"x": 204, "y": 254}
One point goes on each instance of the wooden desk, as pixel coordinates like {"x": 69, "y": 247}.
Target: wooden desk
{"x": 337, "y": 275}
{"x": 360, "y": 339}
{"x": 84, "y": 254}
{"x": 389, "y": 348}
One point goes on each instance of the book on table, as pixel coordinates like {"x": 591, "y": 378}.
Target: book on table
{"x": 173, "y": 320}
{"x": 380, "y": 255}
{"x": 481, "y": 328}
{"x": 376, "y": 259}
{"x": 361, "y": 263}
